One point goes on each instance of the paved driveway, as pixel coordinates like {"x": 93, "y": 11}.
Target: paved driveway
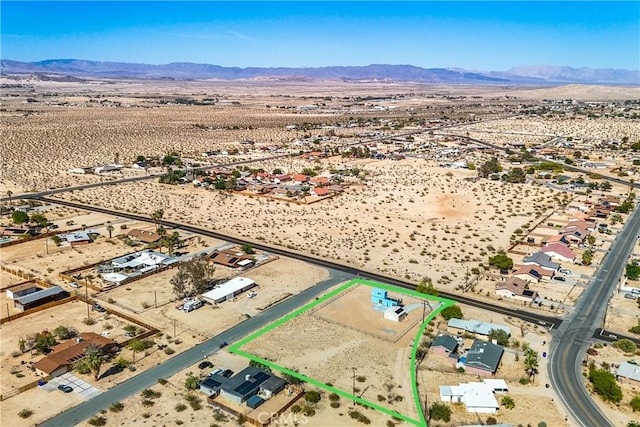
{"x": 80, "y": 387}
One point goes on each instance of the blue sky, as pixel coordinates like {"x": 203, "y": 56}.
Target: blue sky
{"x": 473, "y": 35}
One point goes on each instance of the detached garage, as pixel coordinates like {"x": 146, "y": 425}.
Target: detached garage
{"x": 229, "y": 290}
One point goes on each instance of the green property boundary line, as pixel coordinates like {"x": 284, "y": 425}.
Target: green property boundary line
{"x": 444, "y": 303}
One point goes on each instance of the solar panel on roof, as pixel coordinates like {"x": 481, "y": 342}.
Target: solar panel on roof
{"x": 254, "y": 382}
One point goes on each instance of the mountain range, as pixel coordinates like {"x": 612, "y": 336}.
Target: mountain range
{"x": 534, "y": 75}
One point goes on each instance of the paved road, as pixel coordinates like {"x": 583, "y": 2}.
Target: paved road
{"x": 571, "y": 340}
{"x": 190, "y": 357}
{"x": 542, "y": 320}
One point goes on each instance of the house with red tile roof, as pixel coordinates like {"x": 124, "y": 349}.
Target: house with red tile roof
{"x": 557, "y": 238}
{"x": 559, "y": 252}
{"x": 319, "y": 192}
{"x": 300, "y": 179}
{"x": 320, "y": 180}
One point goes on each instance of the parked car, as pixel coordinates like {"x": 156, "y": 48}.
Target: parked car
{"x": 65, "y": 388}
{"x": 205, "y": 364}
{"x": 75, "y": 285}
{"x": 566, "y": 272}
{"x": 227, "y": 373}
{"x": 98, "y": 308}
{"x": 560, "y": 278}
{"x": 630, "y": 296}
{"x": 216, "y": 372}
{"x": 224, "y": 344}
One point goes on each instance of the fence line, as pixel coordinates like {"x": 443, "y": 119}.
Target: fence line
{"x": 37, "y": 309}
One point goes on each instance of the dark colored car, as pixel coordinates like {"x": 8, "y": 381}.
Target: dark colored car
{"x": 98, "y": 308}
{"x": 559, "y": 278}
{"x": 205, "y": 364}
{"x": 227, "y": 373}
{"x": 224, "y": 344}
{"x": 65, "y": 388}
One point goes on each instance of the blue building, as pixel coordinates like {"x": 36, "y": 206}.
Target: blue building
{"x": 381, "y": 297}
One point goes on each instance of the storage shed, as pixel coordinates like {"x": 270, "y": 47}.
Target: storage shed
{"x": 254, "y": 401}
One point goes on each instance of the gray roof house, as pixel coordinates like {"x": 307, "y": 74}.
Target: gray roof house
{"x": 484, "y": 356}
{"x": 246, "y": 383}
{"x": 444, "y": 345}
{"x": 543, "y": 260}
{"x": 628, "y": 372}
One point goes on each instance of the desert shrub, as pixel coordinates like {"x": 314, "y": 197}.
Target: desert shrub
{"x": 625, "y": 345}
{"x": 180, "y": 407}
{"x": 604, "y": 384}
{"x": 334, "y": 397}
{"x": 335, "y": 404}
{"x": 194, "y": 401}
{"x": 491, "y": 421}
{"x": 148, "y": 403}
{"x": 145, "y": 415}
{"x": 169, "y": 350}
{"x": 441, "y": 412}
{"x": 312, "y": 396}
{"x": 162, "y": 381}
{"x": 452, "y": 312}
{"x": 25, "y": 413}
{"x": 147, "y": 393}
{"x": 116, "y": 407}
{"x": 88, "y": 321}
{"x": 192, "y": 383}
{"x": 361, "y": 378}
{"x": 97, "y": 421}
{"x": 635, "y": 403}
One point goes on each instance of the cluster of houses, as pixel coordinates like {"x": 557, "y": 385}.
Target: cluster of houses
{"x": 481, "y": 358}
{"x": 544, "y": 265}
{"x": 284, "y": 186}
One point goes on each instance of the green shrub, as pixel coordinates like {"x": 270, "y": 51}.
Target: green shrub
{"x": 116, "y": 407}
{"x": 180, "y": 407}
{"x": 312, "y": 396}
{"x": 97, "y": 421}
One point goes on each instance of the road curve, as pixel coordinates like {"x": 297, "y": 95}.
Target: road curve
{"x": 189, "y": 357}
{"x": 571, "y": 340}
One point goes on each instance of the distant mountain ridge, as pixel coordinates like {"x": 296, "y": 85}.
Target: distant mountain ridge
{"x": 543, "y": 74}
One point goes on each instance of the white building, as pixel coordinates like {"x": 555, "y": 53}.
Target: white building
{"x": 477, "y": 397}
{"x": 229, "y": 290}
{"x": 395, "y": 313}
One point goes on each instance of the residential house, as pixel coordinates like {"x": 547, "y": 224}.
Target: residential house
{"x": 144, "y": 236}
{"x": 557, "y": 238}
{"x": 478, "y": 397}
{"x": 249, "y": 382}
{"x": 483, "y": 358}
{"x": 444, "y": 345}
{"x": 64, "y": 355}
{"x": 628, "y": 373}
{"x": 559, "y": 252}
{"x": 575, "y": 235}
{"x": 533, "y": 273}
{"x": 517, "y": 289}
{"x": 78, "y": 238}
{"x": 300, "y": 179}
{"x": 319, "y": 192}
{"x": 232, "y": 258}
{"x": 580, "y": 223}
{"x": 320, "y": 181}
{"x": 18, "y": 230}
{"x": 278, "y": 179}
{"x": 335, "y": 188}
{"x": 542, "y": 260}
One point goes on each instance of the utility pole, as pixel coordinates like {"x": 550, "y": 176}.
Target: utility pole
{"x": 86, "y": 299}
{"x": 155, "y": 297}
{"x": 354, "y": 382}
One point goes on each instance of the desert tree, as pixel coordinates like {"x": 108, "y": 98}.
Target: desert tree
{"x": 109, "y": 228}
{"x": 136, "y": 346}
{"x": 531, "y": 363}
{"x": 192, "y": 277}
{"x": 19, "y": 217}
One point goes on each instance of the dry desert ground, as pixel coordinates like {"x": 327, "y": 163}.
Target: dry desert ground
{"x": 407, "y": 218}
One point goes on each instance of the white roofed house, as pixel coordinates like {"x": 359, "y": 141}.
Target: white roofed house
{"x": 628, "y": 373}
{"x": 478, "y": 397}
{"x": 228, "y": 290}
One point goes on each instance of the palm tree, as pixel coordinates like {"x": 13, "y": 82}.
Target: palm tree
{"x": 94, "y": 358}
{"x": 172, "y": 241}
{"x": 109, "y": 228}
{"x": 136, "y": 346}
{"x": 162, "y": 232}
{"x": 157, "y": 216}
{"x": 531, "y": 363}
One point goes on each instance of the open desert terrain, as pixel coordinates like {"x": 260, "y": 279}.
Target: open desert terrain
{"x": 415, "y": 209}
